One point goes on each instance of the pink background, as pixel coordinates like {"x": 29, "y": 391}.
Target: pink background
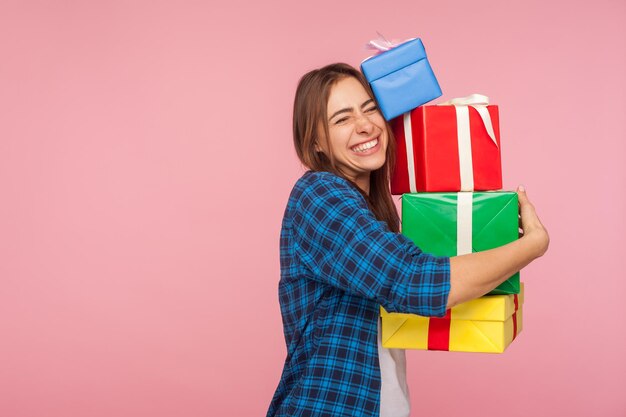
{"x": 145, "y": 162}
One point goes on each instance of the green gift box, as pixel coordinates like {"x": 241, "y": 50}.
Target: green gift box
{"x": 450, "y": 224}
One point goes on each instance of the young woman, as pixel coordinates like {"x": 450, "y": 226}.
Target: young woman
{"x": 342, "y": 256}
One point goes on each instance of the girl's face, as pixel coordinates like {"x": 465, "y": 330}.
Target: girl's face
{"x": 358, "y": 137}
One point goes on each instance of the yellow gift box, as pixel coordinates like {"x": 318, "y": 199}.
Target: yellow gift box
{"x": 486, "y": 324}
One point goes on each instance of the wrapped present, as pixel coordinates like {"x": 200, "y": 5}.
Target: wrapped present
{"x": 487, "y": 324}
{"x": 450, "y": 224}
{"x": 454, "y": 146}
{"x": 401, "y": 78}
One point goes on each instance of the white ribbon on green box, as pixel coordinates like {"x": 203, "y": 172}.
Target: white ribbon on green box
{"x": 464, "y": 223}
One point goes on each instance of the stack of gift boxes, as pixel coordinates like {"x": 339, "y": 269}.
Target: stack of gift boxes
{"x": 448, "y": 169}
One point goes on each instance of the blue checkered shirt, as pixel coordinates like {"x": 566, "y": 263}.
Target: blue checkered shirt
{"x": 338, "y": 264}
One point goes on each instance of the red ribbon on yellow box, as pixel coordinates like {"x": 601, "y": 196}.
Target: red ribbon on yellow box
{"x": 487, "y": 324}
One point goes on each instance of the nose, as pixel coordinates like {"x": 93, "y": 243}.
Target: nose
{"x": 364, "y": 124}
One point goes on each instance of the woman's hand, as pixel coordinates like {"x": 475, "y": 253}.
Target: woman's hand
{"x": 475, "y": 274}
{"x": 532, "y": 228}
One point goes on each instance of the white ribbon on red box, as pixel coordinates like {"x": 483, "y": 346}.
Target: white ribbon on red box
{"x": 464, "y": 138}
{"x": 461, "y": 105}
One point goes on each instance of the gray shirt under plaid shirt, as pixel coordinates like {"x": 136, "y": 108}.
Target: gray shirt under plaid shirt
{"x": 338, "y": 264}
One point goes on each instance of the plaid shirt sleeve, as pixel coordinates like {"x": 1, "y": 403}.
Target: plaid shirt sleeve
{"x": 342, "y": 244}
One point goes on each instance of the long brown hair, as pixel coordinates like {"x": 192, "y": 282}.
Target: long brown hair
{"x": 310, "y": 113}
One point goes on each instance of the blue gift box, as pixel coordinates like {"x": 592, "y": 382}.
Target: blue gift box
{"x": 401, "y": 78}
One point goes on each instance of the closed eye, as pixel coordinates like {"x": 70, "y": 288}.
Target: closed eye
{"x": 372, "y": 109}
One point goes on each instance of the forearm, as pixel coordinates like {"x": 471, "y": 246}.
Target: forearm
{"x": 473, "y": 275}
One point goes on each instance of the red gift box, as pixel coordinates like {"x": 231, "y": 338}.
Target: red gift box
{"x": 453, "y": 148}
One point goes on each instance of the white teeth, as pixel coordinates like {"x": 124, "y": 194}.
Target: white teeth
{"x": 365, "y": 146}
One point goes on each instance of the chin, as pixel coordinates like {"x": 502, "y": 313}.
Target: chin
{"x": 373, "y": 168}
{"x": 378, "y": 164}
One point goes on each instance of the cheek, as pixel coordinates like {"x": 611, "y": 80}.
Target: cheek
{"x": 381, "y": 123}
{"x": 384, "y": 148}
{"x": 340, "y": 138}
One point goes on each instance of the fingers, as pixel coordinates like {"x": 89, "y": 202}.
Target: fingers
{"x": 523, "y": 198}
{"x": 525, "y": 210}
{"x": 521, "y": 195}
{"x": 528, "y": 220}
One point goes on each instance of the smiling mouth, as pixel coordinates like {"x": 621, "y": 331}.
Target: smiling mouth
{"x": 365, "y": 146}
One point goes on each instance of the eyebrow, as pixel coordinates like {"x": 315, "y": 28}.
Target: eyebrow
{"x": 349, "y": 109}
